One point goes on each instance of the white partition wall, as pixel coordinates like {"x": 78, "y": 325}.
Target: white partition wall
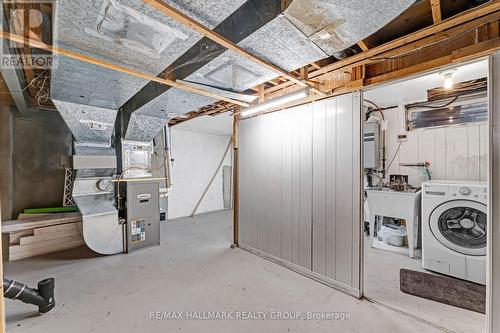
{"x": 300, "y": 189}
{"x": 493, "y": 269}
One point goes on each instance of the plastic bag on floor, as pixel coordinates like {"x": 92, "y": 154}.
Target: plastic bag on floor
{"x": 392, "y": 235}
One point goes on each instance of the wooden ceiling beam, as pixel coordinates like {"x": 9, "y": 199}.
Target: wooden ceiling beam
{"x": 108, "y": 65}
{"x": 262, "y": 97}
{"x": 436, "y": 10}
{"x": 420, "y": 56}
{"x": 219, "y": 39}
{"x": 363, "y": 45}
{"x": 465, "y": 17}
{"x": 458, "y": 56}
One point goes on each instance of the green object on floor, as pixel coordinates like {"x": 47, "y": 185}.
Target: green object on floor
{"x": 66, "y": 209}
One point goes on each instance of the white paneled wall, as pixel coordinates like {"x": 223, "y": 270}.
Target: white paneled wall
{"x": 299, "y": 193}
{"x": 456, "y": 152}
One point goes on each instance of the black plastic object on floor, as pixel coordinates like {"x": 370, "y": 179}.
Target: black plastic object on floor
{"x": 43, "y": 297}
{"x": 444, "y": 289}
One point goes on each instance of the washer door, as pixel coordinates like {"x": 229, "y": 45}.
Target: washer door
{"x": 460, "y": 225}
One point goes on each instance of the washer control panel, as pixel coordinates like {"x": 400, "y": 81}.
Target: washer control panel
{"x": 465, "y": 190}
{"x": 470, "y": 192}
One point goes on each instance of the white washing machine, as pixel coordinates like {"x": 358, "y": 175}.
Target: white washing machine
{"x": 454, "y": 219}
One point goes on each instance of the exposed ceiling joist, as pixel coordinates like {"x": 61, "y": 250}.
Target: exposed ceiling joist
{"x": 196, "y": 26}
{"x": 363, "y": 45}
{"x": 108, "y": 65}
{"x": 422, "y": 54}
{"x": 466, "y": 16}
{"x": 436, "y": 10}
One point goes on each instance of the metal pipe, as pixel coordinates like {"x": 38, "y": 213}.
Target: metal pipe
{"x": 43, "y": 297}
{"x": 168, "y": 150}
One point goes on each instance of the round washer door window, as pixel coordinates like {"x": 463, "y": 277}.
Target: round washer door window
{"x": 460, "y": 225}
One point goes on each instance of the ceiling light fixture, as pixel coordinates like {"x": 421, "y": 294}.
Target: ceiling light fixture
{"x": 303, "y": 93}
{"x": 448, "y": 82}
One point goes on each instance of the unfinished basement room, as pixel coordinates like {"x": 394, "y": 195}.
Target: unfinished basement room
{"x": 250, "y": 166}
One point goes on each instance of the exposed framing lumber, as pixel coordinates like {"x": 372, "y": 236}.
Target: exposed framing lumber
{"x": 198, "y": 27}
{"x": 261, "y": 91}
{"x": 236, "y": 119}
{"x": 455, "y": 21}
{"x": 468, "y": 53}
{"x": 382, "y": 68}
{"x": 436, "y": 10}
{"x": 363, "y": 45}
{"x": 108, "y": 65}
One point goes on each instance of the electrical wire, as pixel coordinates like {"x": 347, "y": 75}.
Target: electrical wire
{"x": 33, "y": 80}
{"x": 390, "y": 163}
{"x": 426, "y": 105}
{"x": 375, "y": 105}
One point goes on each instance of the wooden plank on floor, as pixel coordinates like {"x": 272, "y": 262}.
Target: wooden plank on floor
{"x": 16, "y": 236}
{"x": 50, "y": 243}
{"x": 50, "y": 236}
{"x": 23, "y": 216}
{"x": 56, "y": 228}
{"x": 16, "y": 225}
{"x": 44, "y": 250}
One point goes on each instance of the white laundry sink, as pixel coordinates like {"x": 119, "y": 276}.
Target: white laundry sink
{"x": 401, "y": 205}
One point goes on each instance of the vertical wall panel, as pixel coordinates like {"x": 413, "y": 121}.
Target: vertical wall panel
{"x": 483, "y": 150}
{"x": 392, "y": 118}
{"x": 343, "y": 176}
{"x": 438, "y": 166}
{"x": 243, "y": 157}
{"x": 426, "y": 147}
{"x": 305, "y": 186}
{"x": 295, "y": 115}
{"x": 273, "y": 181}
{"x": 319, "y": 188}
{"x": 330, "y": 180}
{"x": 356, "y": 183}
{"x": 263, "y": 181}
{"x": 473, "y": 158}
{"x": 300, "y": 188}
{"x": 286, "y": 188}
{"x": 456, "y": 153}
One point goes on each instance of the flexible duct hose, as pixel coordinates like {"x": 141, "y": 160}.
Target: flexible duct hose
{"x": 43, "y": 297}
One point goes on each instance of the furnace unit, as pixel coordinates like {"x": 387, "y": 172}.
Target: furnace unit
{"x": 142, "y": 210}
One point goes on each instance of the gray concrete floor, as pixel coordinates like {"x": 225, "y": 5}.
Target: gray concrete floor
{"x": 381, "y": 271}
{"x": 193, "y": 270}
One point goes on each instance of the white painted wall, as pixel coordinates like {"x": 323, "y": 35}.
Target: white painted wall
{"x": 196, "y": 156}
{"x": 457, "y": 152}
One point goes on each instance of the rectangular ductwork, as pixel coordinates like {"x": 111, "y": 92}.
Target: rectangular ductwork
{"x": 89, "y": 124}
{"x": 130, "y": 28}
{"x": 304, "y": 32}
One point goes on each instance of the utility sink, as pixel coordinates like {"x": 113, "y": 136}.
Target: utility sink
{"x": 401, "y": 205}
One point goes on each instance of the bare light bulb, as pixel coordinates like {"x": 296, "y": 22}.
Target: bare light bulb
{"x": 448, "y": 83}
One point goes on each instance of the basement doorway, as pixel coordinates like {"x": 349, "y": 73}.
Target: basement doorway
{"x": 426, "y": 196}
